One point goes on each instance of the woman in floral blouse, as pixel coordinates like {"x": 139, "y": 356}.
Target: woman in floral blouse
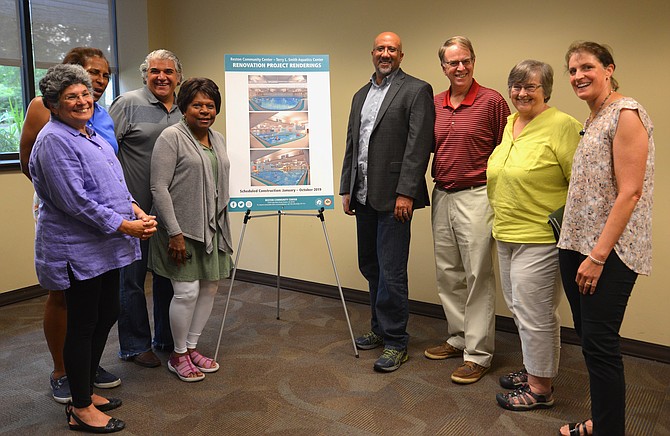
{"x": 606, "y": 236}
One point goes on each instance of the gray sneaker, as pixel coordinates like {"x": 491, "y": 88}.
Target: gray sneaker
{"x": 369, "y": 341}
{"x": 60, "y": 389}
{"x": 390, "y": 360}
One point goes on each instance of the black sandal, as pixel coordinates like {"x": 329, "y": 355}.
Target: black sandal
{"x": 113, "y": 425}
{"x": 575, "y": 429}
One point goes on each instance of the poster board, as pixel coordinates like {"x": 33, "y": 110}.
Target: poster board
{"x": 278, "y": 131}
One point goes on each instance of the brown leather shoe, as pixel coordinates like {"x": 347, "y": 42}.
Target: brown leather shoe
{"x": 442, "y": 351}
{"x": 147, "y": 359}
{"x": 468, "y": 372}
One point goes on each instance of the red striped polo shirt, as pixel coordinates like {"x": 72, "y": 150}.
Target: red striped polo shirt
{"x": 466, "y": 136}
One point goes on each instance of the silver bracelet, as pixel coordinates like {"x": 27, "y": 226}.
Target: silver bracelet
{"x": 596, "y": 261}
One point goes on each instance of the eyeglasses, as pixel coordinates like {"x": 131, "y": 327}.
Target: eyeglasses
{"x": 73, "y": 98}
{"x": 530, "y": 88}
{"x": 454, "y": 64}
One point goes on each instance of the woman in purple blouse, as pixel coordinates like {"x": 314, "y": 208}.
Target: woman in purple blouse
{"x": 87, "y": 229}
{"x": 55, "y": 311}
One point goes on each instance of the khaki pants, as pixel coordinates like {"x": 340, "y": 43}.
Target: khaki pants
{"x": 465, "y": 282}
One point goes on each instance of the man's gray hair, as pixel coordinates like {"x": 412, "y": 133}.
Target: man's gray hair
{"x": 460, "y": 41}
{"x": 60, "y": 77}
{"x": 163, "y": 55}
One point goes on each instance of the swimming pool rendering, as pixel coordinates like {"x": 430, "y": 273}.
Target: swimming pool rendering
{"x": 279, "y": 167}
{"x": 278, "y": 130}
{"x": 283, "y": 178}
{"x": 277, "y": 103}
{"x": 278, "y": 138}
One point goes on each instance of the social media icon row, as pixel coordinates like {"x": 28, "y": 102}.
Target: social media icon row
{"x": 241, "y": 204}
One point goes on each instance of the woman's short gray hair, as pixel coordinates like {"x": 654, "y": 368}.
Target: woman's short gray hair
{"x": 163, "y": 55}
{"x": 523, "y": 70}
{"x": 60, "y": 77}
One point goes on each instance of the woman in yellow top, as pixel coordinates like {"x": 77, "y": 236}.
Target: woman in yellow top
{"x": 528, "y": 175}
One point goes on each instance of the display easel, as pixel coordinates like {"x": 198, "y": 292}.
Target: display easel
{"x": 279, "y": 214}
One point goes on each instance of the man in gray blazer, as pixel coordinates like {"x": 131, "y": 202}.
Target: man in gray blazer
{"x": 389, "y": 141}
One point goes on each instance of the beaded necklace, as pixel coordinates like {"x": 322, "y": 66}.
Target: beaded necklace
{"x": 592, "y": 117}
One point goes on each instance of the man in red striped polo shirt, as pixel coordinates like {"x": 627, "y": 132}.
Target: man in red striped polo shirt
{"x": 469, "y": 123}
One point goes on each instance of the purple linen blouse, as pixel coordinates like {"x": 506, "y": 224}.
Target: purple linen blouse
{"x": 84, "y": 200}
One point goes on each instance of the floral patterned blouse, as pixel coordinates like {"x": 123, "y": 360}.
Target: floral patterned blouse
{"x": 593, "y": 190}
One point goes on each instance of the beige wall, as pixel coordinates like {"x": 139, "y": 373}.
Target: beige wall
{"x": 16, "y": 259}
{"x": 502, "y": 32}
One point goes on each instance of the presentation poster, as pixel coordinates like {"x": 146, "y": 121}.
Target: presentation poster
{"x": 278, "y": 132}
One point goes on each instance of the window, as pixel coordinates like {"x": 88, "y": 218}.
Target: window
{"x": 35, "y": 35}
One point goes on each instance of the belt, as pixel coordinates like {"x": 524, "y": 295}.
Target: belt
{"x": 459, "y": 189}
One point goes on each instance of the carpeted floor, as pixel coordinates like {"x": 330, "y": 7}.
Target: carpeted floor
{"x": 298, "y": 376}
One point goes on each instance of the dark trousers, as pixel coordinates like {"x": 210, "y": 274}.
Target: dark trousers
{"x": 92, "y": 310}
{"x": 383, "y": 252}
{"x": 597, "y": 320}
{"x": 134, "y": 327}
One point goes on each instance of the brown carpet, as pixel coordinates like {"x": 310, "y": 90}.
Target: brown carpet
{"x": 298, "y": 376}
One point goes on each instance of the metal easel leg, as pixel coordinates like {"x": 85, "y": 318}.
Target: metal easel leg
{"x": 247, "y": 216}
{"x": 279, "y": 214}
{"x": 337, "y": 279}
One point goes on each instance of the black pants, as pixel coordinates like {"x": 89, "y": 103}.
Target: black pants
{"x": 597, "y": 320}
{"x": 92, "y": 310}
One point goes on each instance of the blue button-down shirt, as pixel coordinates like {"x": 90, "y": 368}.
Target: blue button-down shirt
{"x": 103, "y": 125}
{"x": 84, "y": 201}
{"x": 369, "y": 112}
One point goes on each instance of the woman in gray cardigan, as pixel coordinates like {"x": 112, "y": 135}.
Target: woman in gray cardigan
{"x": 189, "y": 183}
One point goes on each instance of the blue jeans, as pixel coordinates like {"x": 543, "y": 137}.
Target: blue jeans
{"x": 597, "y": 320}
{"x": 383, "y": 252}
{"x": 134, "y": 329}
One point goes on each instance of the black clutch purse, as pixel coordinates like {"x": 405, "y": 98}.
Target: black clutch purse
{"x": 555, "y": 220}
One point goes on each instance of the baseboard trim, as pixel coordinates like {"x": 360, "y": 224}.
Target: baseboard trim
{"x": 630, "y": 347}
{"x": 22, "y": 294}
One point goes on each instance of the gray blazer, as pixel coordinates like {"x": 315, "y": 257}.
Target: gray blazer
{"x": 400, "y": 144}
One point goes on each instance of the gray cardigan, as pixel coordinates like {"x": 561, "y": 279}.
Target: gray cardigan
{"x": 184, "y": 190}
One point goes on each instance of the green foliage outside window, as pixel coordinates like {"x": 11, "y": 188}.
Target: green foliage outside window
{"x": 11, "y": 123}
{"x": 11, "y": 109}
